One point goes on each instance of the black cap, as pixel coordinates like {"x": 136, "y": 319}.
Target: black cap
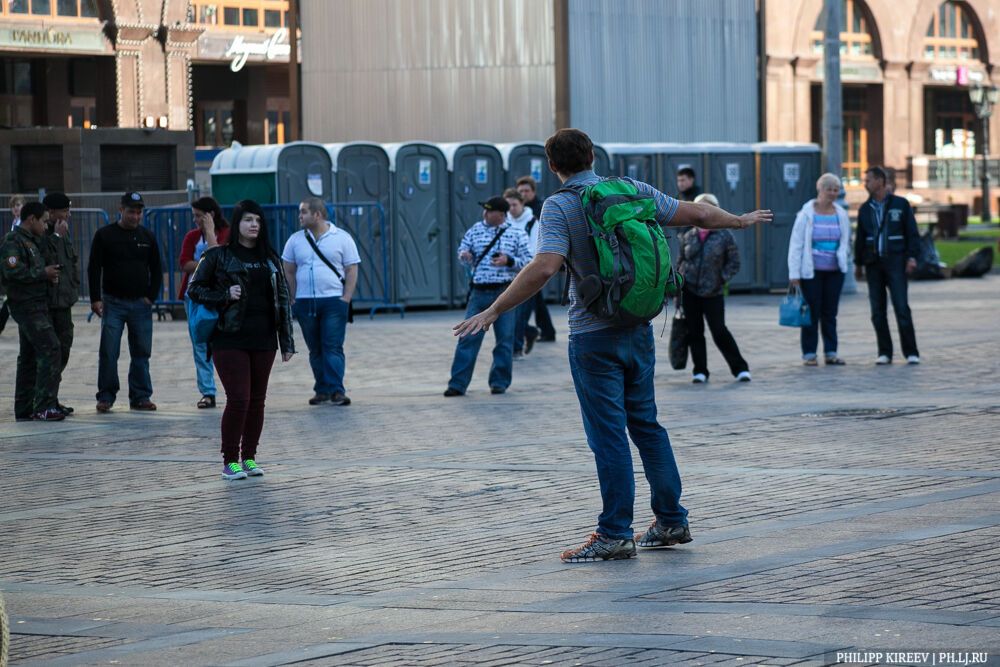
{"x": 55, "y": 201}
{"x": 132, "y": 200}
{"x": 495, "y": 204}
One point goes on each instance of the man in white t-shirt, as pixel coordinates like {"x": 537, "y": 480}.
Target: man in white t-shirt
{"x": 321, "y": 291}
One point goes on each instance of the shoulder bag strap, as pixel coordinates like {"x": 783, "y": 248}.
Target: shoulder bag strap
{"x": 319, "y": 254}
{"x": 482, "y": 255}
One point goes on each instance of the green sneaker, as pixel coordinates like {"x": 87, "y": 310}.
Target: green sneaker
{"x": 231, "y": 471}
{"x": 253, "y": 470}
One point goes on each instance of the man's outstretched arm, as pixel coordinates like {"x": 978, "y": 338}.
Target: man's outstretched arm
{"x": 527, "y": 283}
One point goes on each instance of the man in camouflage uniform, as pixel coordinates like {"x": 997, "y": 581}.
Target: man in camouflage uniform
{"x": 27, "y": 278}
{"x": 64, "y": 294}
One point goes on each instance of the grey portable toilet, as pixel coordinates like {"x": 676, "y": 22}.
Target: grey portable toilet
{"x": 361, "y": 174}
{"x": 638, "y": 161}
{"x": 528, "y": 159}
{"x": 788, "y": 174}
{"x": 475, "y": 174}
{"x": 678, "y": 156}
{"x": 730, "y": 175}
{"x": 602, "y": 162}
{"x": 420, "y": 210}
{"x": 273, "y": 174}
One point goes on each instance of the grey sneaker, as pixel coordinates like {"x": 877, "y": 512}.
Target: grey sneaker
{"x": 599, "y": 548}
{"x": 661, "y": 536}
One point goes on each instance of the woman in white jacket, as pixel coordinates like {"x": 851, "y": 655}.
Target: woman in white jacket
{"x": 817, "y": 261}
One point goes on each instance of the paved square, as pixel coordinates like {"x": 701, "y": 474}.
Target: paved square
{"x": 832, "y": 508}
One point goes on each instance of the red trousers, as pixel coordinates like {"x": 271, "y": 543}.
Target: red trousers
{"x": 244, "y": 375}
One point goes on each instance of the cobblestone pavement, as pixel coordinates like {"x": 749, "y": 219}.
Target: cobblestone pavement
{"x": 832, "y": 508}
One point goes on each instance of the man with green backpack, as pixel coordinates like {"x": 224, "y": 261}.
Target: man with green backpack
{"x": 609, "y": 234}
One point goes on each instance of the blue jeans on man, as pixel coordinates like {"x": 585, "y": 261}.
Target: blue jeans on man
{"x": 203, "y": 366}
{"x": 613, "y": 374}
{"x": 323, "y": 323}
{"x": 889, "y": 273}
{"x": 137, "y": 315}
{"x": 468, "y": 346}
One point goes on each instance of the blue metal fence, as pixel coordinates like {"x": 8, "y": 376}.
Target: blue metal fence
{"x": 365, "y": 221}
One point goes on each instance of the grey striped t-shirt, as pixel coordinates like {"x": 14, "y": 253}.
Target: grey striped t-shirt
{"x": 564, "y": 231}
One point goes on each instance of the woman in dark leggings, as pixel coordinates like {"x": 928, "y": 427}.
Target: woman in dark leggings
{"x": 244, "y": 282}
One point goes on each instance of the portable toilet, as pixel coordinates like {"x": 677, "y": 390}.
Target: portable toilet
{"x": 419, "y": 205}
{"x": 638, "y": 161}
{"x": 602, "y": 162}
{"x": 677, "y": 156}
{"x": 730, "y": 175}
{"x": 475, "y": 174}
{"x": 787, "y": 175}
{"x": 361, "y": 174}
{"x": 528, "y": 159}
{"x": 273, "y": 174}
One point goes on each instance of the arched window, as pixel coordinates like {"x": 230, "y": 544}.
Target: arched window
{"x": 952, "y": 34}
{"x": 855, "y": 35}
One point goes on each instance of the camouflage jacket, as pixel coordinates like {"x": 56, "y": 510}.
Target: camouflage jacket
{"x": 708, "y": 266}
{"x": 59, "y": 250}
{"x": 22, "y": 265}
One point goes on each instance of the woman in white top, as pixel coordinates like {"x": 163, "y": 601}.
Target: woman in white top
{"x": 818, "y": 262}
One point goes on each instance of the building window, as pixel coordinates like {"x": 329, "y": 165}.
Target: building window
{"x": 952, "y": 34}
{"x": 57, "y": 8}
{"x": 855, "y": 35}
{"x": 214, "y": 124}
{"x": 82, "y": 112}
{"x": 241, "y": 14}
{"x": 277, "y": 121}
{"x": 950, "y": 124}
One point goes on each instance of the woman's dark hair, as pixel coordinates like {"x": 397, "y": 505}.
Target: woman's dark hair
{"x": 263, "y": 248}
{"x": 209, "y": 205}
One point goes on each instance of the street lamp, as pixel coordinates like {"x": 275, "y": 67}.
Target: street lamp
{"x": 983, "y": 99}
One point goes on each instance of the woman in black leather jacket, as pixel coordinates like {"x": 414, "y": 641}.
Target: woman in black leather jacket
{"x": 244, "y": 282}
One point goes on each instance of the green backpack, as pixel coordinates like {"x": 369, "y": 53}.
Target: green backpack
{"x": 635, "y": 275}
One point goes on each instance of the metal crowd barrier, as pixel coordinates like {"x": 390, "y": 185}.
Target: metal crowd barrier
{"x": 365, "y": 221}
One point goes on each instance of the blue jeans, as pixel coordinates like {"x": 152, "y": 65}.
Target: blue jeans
{"x": 203, "y": 366}
{"x": 324, "y": 326}
{"x": 822, "y": 293}
{"x": 889, "y": 273}
{"x": 468, "y": 346}
{"x": 613, "y": 375}
{"x": 137, "y": 315}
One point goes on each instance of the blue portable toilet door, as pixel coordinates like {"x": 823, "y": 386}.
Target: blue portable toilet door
{"x": 670, "y": 163}
{"x": 422, "y": 266}
{"x": 477, "y": 174}
{"x": 788, "y": 182}
{"x": 363, "y": 176}
{"x": 731, "y": 178}
{"x": 303, "y": 170}
{"x": 602, "y": 163}
{"x": 530, "y": 160}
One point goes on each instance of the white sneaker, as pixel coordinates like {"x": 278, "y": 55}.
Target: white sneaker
{"x": 913, "y": 360}
{"x": 883, "y": 360}
{"x": 744, "y": 376}
{"x": 699, "y": 378}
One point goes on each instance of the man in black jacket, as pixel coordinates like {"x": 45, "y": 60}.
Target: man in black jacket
{"x": 125, "y": 279}
{"x": 886, "y": 247}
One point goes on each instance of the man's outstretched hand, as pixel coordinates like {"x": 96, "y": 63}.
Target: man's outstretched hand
{"x": 476, "y": 323}
{"x": 755, "y": 217}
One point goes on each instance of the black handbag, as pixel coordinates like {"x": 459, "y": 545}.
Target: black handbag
{"x": 679, "y": 339}
{"x": 350, "y": 304}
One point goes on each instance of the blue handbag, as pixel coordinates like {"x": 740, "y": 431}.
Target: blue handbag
{"x": 794, "y": 311}
{"x": 202, "y": 321}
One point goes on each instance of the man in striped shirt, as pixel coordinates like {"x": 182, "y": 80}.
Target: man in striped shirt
{"x": 612, "y": 367}
{"x": 493, "y": 252}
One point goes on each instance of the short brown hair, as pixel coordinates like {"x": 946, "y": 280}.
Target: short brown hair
{"x": 511, "y": 193}
{"x": 529, "y": 181}
{"x": 315, "y": 205}
{"x": 570, "y": 151}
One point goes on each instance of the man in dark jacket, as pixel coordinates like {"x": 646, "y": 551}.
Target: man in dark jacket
{"x": 65, "y": 293}
{"x": 886, "y": 247}
{"x": 125, "y": 279}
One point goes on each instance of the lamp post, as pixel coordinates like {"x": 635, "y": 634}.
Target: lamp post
{"x": 983, "y": 99}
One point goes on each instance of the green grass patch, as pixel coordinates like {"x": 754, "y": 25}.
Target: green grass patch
{"x": 952, "y": 251}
